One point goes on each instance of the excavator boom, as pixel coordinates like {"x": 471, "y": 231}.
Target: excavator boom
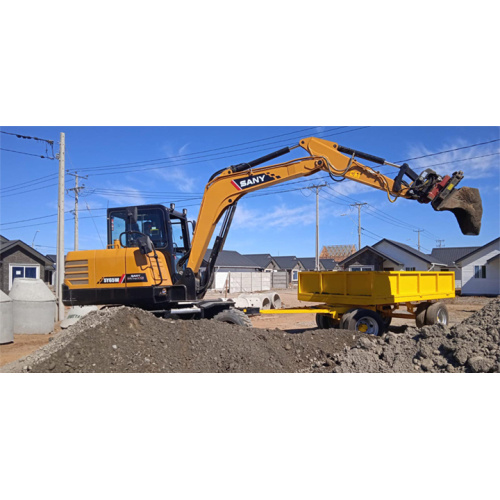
{"x": 227, "y": 186}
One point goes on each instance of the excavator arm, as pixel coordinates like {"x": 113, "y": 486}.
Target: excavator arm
{"x": 227, "y": 186}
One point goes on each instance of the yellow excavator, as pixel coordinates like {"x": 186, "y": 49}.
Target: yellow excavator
{"x": 150, "y": 261}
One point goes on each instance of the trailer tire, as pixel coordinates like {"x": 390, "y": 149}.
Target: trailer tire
{"x": 386, "y": 320}
{"x": 437, "y": 313}
{"x": 325, "y": 322}
{"x": 363, "y": 321}
{"x": 233, "y": 316}
{"x": 420, "y": 314}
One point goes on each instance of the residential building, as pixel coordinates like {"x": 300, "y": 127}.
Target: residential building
{"x": 291, "y": 265}
{"x": 19, "y": 260}
{"x": 232, "y": 261}
{"x": 329, "y": 264}
{"x": 448, "y": 256}
{"x": 370, "y": 259}
{"x": 337, "y": 252}
{"x": 481, "y": 270}
{"x": 263, "y": 260}
{"x": 409, "y": 258}
{"x": 309, "y": 264}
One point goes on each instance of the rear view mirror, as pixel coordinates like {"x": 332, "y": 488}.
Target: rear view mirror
{"x": 145, "y": 244}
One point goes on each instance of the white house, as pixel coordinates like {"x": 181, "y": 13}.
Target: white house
{"x": 410, "y": 259}
{"x": 481, "y": 270}
{"x": 449, "y": 256}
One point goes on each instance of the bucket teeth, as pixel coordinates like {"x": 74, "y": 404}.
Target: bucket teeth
{"x": 466, "y": 205}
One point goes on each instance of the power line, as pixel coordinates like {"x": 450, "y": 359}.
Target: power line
{"x": 21, "y": 136}
{"x": 29, "y": 154}
{"x": 448, "y": 151}
{"x": 210, "y": 150}
{"x": 38, "y": 180}
{"x": 203, "y": 158}
{"x": 28, "y": 191}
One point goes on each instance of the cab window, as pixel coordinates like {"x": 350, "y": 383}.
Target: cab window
{"x": 150, "y": 221}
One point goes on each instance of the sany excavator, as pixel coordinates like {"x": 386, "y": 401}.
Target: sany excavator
{"x": 150, "y": 262}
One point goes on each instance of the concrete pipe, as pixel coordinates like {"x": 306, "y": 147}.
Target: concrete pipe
{"x": 33, "y": 306}
{"x": 6, "y": 319}
{"x": 253, "y": 300}
{"x": 275, "y": 300}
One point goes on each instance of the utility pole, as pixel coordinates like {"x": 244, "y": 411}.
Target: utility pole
{"x": 439, "y": 242}
{"x": 359, "y": 205}
{"x": 418, "y": 231}
{"x": 317, "y": 187}
{"x": 60, "y": 230}
{"x": 77, "y": 190}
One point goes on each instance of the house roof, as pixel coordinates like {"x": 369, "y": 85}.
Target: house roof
{"x": 309, "y": 263}
{"x": 493, "y": 259}
{"x": 10, "y": 244}
{"x": 496, "y": 240}
{"x": 337, "y": 252}
{"x": 329, "y": 264}
{"x": 449, "y": 255}
{"x": 231, "y": 258}
{"x": 373, "y": 250}
{"x": 3, "y": 239}
{"x": 261, "y": 259}
{"x": 411, "y": 250}
{"x": 287, "y": 262}
{"x": 52, "y": 257}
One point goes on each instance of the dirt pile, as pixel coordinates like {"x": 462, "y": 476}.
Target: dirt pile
{"x": 471, "y": 346}
{"x": 123, "y": 339}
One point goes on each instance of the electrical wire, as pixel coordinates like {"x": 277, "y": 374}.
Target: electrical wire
{"x": 448, "y": 151}
{"x": 29, "y": 154}
{"x": 201, "y": 159}
{"x": 211, "y": 150}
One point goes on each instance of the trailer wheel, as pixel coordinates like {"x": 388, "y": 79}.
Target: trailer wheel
{"x": 233, "y": 316}
{"x": 325, "y": 322}
{"x": 437, "y": 314}
{"x": 386, "y": 320}
{"x": 363, "y": 321}
{"x": 420, "y": 314}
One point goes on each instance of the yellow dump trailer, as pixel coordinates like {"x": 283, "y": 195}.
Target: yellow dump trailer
{"x": 367, "y": 301}
{"x": 375, "y": 287}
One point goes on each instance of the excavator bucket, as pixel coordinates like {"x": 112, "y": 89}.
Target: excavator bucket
{"x": 467, "y": 206}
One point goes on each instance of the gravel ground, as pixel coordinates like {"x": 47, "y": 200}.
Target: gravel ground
{"x": 471, "y": 346}
{"x": 124, "y": 339}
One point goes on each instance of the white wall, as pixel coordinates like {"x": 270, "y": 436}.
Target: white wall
{"x": 481, "y": 286}
{"x": 403, "y": 256}
{"x": 242, "y": 282}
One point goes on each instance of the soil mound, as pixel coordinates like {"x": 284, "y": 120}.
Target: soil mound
{"x": 125, "y": 339}
{"x": 471, "y": 346}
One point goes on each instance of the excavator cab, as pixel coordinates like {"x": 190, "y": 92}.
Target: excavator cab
{"x": 152, "y": 228}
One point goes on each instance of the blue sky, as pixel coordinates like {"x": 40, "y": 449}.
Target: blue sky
{"x": 176, "y": 162}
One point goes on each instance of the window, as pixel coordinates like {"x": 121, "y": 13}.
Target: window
{"x": 295, "y": 275}
{"x": 23, "y": 271}
{"x": 150, "y": 221}
{"x": 409, "y": 269}
{"x": 360, "y": 268}
{"x": 480, "y": 272}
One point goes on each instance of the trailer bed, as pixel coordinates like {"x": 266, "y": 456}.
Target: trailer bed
{"x": 372, "y": 288}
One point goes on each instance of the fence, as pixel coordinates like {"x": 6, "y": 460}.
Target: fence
{"x": 239, "y": 282}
